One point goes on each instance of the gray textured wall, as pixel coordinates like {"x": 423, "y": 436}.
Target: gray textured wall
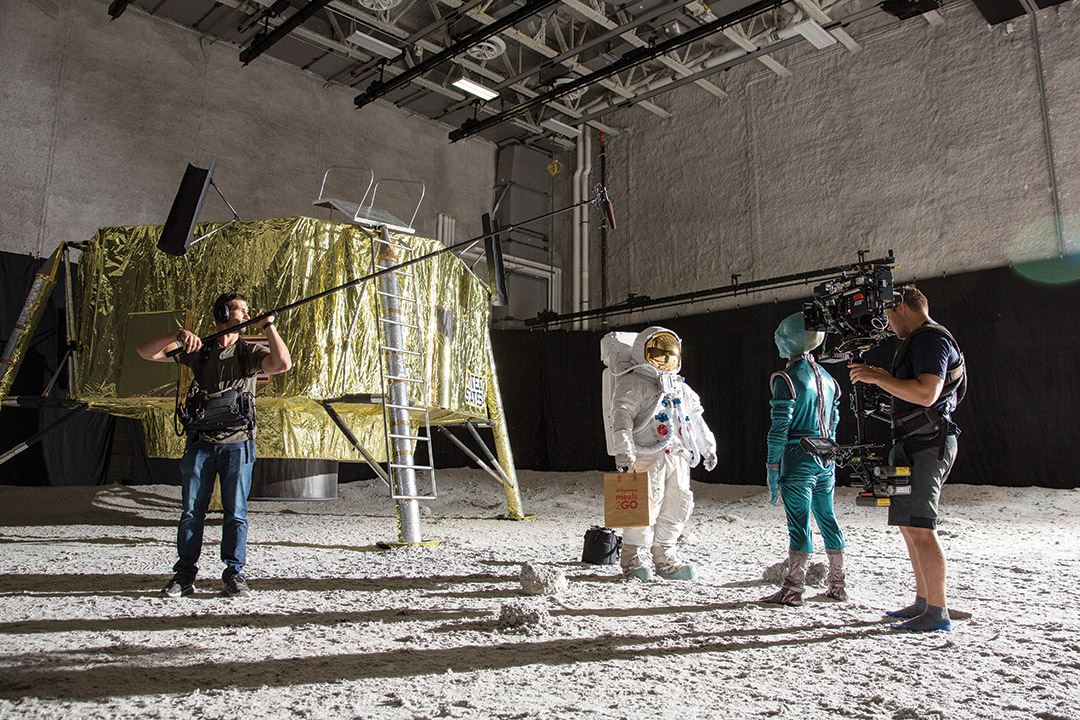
{"x": 99, "y": 119}
{"x": 929, "y": 141}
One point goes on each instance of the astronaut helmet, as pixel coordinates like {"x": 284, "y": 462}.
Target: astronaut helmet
{"x": 793, "y": 339}
{"x": 659, "y": 349}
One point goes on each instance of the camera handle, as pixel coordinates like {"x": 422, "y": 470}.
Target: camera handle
{"x": 859, "y": 402}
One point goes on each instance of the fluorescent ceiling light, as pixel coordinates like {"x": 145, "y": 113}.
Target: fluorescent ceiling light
{"x": 561, "y": 128}
{"x": 818, "y": 36}
{"x": 475, "y": 89}
{"x": 372, "y": 45}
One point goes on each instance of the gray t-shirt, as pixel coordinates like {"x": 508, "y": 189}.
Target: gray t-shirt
{"x": 233, "y": 367}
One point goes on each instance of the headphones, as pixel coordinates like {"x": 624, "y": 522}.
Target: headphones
{"x": 221, "y": 307}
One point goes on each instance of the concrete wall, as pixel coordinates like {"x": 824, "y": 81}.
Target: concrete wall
{"x": 929, "y": 141}
{"x": 98, "y": 121}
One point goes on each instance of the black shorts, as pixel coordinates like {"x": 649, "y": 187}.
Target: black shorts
{"x": 928, "y": 474}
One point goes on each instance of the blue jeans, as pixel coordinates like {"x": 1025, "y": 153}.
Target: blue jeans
{"x": 201, "y": 463}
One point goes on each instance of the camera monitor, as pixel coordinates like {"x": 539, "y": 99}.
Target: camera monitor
{"x": 820, "y": 447}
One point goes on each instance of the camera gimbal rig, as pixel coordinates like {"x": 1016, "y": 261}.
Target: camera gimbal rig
{"x": 853, "y": 305}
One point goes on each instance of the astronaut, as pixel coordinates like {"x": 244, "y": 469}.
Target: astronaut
{"x": 805, "y": 403}
{"x": 655, "y": 425}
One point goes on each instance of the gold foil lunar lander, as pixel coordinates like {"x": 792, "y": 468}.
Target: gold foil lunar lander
{"x": 388, "y": 333}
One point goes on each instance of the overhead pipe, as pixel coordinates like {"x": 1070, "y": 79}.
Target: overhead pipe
{"x": 586, "y": 169}
{"x": 1059, "y": 226}
{"x": 575, "y": 231}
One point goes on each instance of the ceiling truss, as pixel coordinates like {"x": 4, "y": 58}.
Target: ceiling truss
{"x": 553, "y": 65}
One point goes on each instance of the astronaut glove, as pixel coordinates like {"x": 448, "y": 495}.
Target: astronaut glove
{"x": 710, "y": 461}
{"x": 774, "y": 485}
{"x": 623, "y": 463}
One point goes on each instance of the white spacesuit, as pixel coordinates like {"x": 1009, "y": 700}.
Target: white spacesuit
{"x": 655, "y": 425}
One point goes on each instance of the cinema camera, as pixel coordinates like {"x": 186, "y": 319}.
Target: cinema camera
{"x": 852, "y": 306}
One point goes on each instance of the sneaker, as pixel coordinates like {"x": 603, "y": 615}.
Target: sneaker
{"x": 176, "y": 589}
{"x": 927, "y": 622}
{"x": 236, "y": 586}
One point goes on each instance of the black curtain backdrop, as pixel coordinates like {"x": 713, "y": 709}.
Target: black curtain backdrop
{"x": 1018, "y": 421}
{"x": 1021, "y": 339}
{"x": 77, "y": 452}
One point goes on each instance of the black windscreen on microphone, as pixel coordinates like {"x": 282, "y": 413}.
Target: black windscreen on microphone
{"x": 609, "y": 213}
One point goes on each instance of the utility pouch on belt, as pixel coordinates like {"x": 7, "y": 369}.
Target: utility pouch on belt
{"x": 213, "y": 412}
{"x": 921, "y": 422}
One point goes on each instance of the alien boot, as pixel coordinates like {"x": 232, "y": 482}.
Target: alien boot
{"x": 791, "y": 592}
{"x": 836, "y": 589}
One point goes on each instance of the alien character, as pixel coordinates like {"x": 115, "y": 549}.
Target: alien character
{"x": 805, "y": 403}
{"x": 655, "y": 425}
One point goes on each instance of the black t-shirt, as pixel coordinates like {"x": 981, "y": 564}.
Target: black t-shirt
{"x": 928, "y": 353}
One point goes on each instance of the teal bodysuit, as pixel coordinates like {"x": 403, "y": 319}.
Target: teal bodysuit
{"x": 805, "y": 403}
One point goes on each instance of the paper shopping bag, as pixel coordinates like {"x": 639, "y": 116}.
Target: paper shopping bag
{"x": 627, "y": 500}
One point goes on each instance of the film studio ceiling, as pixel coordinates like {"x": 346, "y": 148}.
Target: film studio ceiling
{"x": 529, "y": 71}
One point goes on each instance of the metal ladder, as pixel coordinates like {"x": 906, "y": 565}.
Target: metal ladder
{"x": 403, "y": 376}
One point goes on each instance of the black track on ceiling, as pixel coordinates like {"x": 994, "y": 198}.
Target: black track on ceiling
{"x": 630, "y": 59}
{"x": 379, "y": 88}
{"x": 721, "y": 67}
{"x": 264, "y": 41}
{"x": 117, "y": 8}
{"x": 553, "y": 61}
{"x": 451, "y": 17}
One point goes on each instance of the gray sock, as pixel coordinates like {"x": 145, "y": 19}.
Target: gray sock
{"x": 915, "y": 609}
{"x": 935, "y": 618}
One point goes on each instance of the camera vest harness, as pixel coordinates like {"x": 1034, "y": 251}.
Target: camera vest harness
{"x": 927, "y": 422}
{"x": 228, "y": 409}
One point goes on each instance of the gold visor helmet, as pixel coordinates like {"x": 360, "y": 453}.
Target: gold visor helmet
{"x": 663, "y": 352}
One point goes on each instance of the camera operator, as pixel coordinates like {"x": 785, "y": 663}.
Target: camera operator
{"x": 227, "y": 449}
{"x": 926, "y": 379}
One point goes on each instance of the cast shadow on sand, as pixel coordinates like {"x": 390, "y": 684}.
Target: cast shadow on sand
{"x": 263, "y": 620}
{"x": 209, "y": 586}
{"x": 67, "y": 676}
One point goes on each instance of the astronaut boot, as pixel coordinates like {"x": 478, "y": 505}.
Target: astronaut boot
{"x": 836, "y": 589}
{"x": 633, "y": 563}
{"x": 670, "y": 565}
{"x": 791, "y": 592}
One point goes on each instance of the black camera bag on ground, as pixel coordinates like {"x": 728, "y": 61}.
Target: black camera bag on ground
{"x": 602, "y": 546}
